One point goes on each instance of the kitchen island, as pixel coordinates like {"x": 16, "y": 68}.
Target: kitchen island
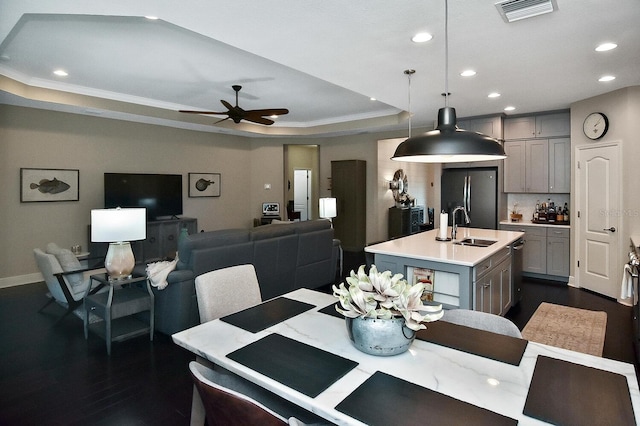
{"x": 463, "y": 276}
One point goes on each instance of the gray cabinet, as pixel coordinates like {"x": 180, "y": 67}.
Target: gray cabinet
{"x": 161, "y": 242}
{"x": 490, "y": 126}
{"x": 560, "y": 165}
{"x": 492, "y": 283}
{"x": 537, "y": 126}
{"x": 526, "y": 168}
{"x": 546, "y": 250}
{"x": 162, "y": 237}
{"x": 405, "y": 221}
{"x": 558, "y": 252}
{"x": 348, "y": 186}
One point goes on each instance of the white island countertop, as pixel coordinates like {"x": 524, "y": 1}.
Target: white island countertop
{"x": 424, "y": 246}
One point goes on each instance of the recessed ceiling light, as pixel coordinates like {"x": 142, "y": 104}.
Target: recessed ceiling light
{"x": 493, "y": 95}
{"x": 606, "y": 46}
{"x": 372, "y": 99}
{"x": 510, "y": 108}
{"x": 606, "y": 78}
{"x": 274, "y": 116}
{"x": 60, "y": 73}
{"x": 493, "y": 382}
{"x": 151, "y": 17}
{"x": 468, "y": 73}
{"x": 421, "y": 37}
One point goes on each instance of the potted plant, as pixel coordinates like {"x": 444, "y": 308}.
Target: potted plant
{"x": 515, "y": 216}
{"x": 383, "y": 311}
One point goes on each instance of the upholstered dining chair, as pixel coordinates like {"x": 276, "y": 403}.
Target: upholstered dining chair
{"x": 65, "y": 278}
{"x": 226, "y": 291}
{"x": 482, "y": 321}
{"x": 231, "y": 400}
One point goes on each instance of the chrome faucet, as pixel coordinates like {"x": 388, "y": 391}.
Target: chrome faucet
{"x": 454, "y": 228}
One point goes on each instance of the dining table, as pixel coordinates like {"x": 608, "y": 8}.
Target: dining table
{"x": 298, "y": 347}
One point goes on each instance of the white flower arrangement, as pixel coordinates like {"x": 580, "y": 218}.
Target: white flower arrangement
{"x": 381, "y": 295}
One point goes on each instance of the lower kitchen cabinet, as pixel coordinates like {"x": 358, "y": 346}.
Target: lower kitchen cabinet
{"x": 493, "y": 287}
{"x": 558, "y": 252}
{"x": 546, "y": 250}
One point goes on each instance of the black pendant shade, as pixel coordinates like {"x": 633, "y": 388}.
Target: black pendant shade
{"x": 448, "y": 144}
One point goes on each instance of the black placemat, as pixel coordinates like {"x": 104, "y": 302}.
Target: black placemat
{"x": 331, "y": 310}
{"x": 387, "y": 400}
{"x": 302, "y": 367}
{"x": 562, "y": 392}
{"x": 477, "y": 342}
{"x": 266, "y": 314}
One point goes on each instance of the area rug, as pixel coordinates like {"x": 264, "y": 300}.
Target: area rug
{"x": 569, "y": 328}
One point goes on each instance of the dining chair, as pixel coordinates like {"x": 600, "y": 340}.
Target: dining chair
{"x": 226, "y": 291}
{"x": 482, "y": 321}
{"x": 225, "y": 406}
{"x": 229, "y": 399}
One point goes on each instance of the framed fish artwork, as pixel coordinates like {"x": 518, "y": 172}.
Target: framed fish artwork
{"x": 204, "y": 184}
{"x": 38, "y": 185}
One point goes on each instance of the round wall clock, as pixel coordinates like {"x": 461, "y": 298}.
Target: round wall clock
{"x": 595, "y": 125}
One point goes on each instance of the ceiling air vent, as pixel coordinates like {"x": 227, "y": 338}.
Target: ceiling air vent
{"x": 515, "y": 10}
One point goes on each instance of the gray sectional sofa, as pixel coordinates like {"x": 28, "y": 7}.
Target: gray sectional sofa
{"x": 287, "y": 256}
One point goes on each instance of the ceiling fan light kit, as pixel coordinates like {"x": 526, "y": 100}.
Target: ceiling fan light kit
{"x": 447, "y": 143}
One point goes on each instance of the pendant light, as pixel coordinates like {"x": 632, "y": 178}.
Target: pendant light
{"x": 447, "y": 143}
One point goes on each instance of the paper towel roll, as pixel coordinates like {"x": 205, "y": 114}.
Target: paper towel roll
{"x": 444, "y": 220}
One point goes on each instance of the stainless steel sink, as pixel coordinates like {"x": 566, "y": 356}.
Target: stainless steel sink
{"x": 474, "y": 242}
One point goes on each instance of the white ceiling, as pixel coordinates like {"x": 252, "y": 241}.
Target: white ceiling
{"x": 322, "y": 60}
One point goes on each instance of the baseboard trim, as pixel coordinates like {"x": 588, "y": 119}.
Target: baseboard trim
{"x": 6, "y": 282}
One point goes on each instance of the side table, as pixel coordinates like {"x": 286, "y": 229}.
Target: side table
{"x": 117, "y": 307}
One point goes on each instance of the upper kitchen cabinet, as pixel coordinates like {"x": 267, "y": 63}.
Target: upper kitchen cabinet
{"x": 537, "y": 126}
{"x": 490, "y": 126}
{"x": 560, "y": 166}
{"x": 526, "y": 168}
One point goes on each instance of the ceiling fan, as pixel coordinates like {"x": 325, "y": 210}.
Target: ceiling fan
{"x": 238, "y": 114}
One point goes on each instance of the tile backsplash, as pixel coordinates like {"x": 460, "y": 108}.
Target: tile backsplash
{"x": 527, "y": 203}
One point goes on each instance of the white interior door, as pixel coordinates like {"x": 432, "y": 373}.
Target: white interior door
{"x": 598, "y": 170}
{"x": 302, "y": 193}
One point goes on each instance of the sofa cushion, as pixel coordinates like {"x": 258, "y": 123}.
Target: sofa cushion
{"x": 270, "y": 231}
{"x": 223, "y": 237}
{"x": 311, "y": 225}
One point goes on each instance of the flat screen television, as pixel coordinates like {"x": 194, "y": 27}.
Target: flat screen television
{"x": 160, "y": 194}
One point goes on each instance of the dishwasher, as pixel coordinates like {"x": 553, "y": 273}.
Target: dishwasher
{"x": 517, "y": 251}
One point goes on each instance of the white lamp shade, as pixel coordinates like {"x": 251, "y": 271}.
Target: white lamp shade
{"x": 328, "y": 208}
{"x": 115, "y": 225}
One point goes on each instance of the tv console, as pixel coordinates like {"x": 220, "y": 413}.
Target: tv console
{"x": 161, "y": 242}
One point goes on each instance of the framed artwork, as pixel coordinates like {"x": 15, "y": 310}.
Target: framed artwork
{"x": 204, "y": 184}
{"x": 38, "y": 185}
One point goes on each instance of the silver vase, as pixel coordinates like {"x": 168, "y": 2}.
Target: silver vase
{"x": 382, "y": 337}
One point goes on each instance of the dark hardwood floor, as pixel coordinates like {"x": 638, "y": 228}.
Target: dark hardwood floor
{"x": 51, "y": 375}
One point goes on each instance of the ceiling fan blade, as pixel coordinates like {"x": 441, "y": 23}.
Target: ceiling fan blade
{"x": 259, "y": 120}
{"x": 221, "y": 120}
{"x": 270, "y": 111}
{"x": 203, "y": 112}
{"x": 226, "y": 104}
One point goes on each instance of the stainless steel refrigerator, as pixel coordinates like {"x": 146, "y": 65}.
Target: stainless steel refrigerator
{"x": 475, "y": 189}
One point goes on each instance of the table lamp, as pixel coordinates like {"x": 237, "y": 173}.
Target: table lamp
{"x": 328, "y": 209}
{"x": 118, "y": 227}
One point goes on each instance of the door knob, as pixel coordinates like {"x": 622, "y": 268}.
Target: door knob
{"x": 612, "y": 229}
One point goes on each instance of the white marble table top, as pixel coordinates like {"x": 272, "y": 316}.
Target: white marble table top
{"x": 451, "y": 372}
{"x": 424, "y": 246}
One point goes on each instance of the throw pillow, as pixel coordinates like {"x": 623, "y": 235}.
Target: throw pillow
{"x": 69, "y": 262}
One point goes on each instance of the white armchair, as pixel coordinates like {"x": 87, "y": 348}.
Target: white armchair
{"x": 65, "y": 278}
